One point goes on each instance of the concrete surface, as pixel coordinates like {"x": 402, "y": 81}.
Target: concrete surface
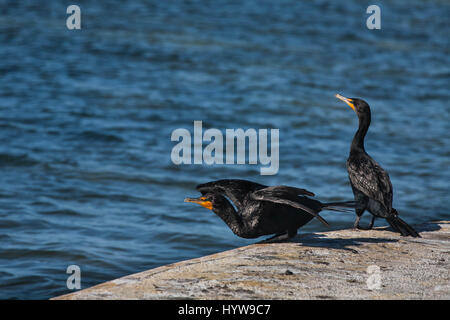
{"x": 343, "y": 264}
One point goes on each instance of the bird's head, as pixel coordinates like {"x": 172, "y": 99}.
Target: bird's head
{"x": 358, "y": 105}
{"x": 212, "y": 201}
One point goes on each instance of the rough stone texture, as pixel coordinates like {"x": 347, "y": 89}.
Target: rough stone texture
{"x": 328, "y": 265}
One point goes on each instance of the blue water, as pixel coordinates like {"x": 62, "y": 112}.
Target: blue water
{"x": 86, "y": 118}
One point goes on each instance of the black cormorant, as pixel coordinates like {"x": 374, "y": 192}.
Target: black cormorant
{"x": 260, "y": 210}
{"x": 370, "y": 183}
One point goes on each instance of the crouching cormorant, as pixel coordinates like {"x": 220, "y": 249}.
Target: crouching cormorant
{"x": 252, "y": 210}
{"x": 370, "y": 183}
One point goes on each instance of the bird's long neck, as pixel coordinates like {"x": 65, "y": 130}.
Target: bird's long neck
{"x": 229, "y": 215}
{"x": 358, "y": 139}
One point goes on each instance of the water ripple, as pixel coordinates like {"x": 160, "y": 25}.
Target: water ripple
{"x": 86, "y": 119}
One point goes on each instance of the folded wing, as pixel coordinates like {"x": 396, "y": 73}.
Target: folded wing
{"x": 288, "y": 196}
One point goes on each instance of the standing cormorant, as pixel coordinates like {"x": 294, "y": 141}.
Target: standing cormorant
{"x": 260, "y": 210}
{"x": 370, "y": 183}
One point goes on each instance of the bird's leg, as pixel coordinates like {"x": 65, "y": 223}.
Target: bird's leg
{"x": 280, "y": 237}
{"x": 369, "y": 227}
{"x": 359, "y": 213}
{"x": 371, "y": 223}
{"x": 276, "y": 238}
{"x": 356, "y": 224}
{"x": 292, "y": 233}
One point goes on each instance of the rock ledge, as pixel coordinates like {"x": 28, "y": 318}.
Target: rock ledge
{"x": 343, "y": 264}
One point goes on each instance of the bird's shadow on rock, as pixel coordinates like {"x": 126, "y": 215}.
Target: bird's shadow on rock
{"x": 424, "y": 227}
{"x": 322, "y": 241}
{"x": 427, "y": 227}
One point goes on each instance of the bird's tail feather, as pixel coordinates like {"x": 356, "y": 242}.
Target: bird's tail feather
{"x": 402, "y": 227}
{"x": 344, "y": 206}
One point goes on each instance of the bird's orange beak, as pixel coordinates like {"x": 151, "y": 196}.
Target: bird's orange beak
{"x": 201, "y": 201}
{"x": 347, "y": 101}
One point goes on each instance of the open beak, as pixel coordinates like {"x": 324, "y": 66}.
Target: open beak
{"x": 201, "y": 201}
{"x": 347, "y": 101}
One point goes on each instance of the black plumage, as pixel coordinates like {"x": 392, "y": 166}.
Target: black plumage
{"x": 252, "y": 210}
{"x": 370, "y": 183}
